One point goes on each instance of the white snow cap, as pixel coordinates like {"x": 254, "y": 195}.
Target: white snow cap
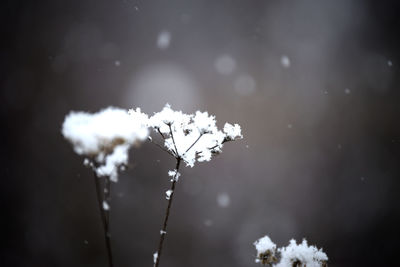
{"x": 264, "y": 245}
{"x": 308, "y": 256}
{"x": 105, "y": 136}
{"x": 302, "y": 254}
{"x": 233, "y": 131}
{"x": 193, "y": 137}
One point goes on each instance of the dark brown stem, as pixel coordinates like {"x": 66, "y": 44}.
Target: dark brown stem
{"x": 194, "y": 143}
{"x": 163, "y": 137}
{"x": 173, "y": 140}
{"x": 164, "y": 228}
{"x": 104, "y": 214}
{"x": 160, "y": 147}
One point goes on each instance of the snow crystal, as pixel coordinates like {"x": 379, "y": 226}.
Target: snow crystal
{"x": 86, "y": 162}
{"x": 233, "y": 131}
{"x": 106, "y": 206}
{"x": 174, "y": 174}
{"x": 163, "y": 232}
{"x": 163, "y": 40}
{"x": 155, "y": 257}
{"x": 285, "y": 61}
{"x": 390, "y": 63}
{"x": 347, "y": 91}
{"x": 117, "y": 63}
{"x": 225, "y": 64}
{"x": 105, "y": 136}
{"x": 223, "y": 200}
{"x": 292, "y": 255}
{"x": 264, "y": 246}
{"x": 305, "y": 255}
{"x": 191, "y": 137}
{"x": 168, "y": 193}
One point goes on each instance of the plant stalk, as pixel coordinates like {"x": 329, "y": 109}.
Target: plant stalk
{"x": 164, "y": 229}
{"x": 104, "y": 214}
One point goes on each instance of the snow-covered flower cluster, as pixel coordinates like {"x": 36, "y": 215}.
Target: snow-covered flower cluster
{"x": 297, "y": 255}
{"x": 266, "y": 250}
{"x": 105, "y": 137}
{"x": 193, "y": 137}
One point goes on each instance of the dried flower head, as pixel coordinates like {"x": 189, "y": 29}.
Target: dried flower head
{"x": 266, "y": 251}
{"x": 193, "y": 137}
{"x": 105, "y": 137}
{"x": 302, "y": 255}
{"x": 294, "y": 255}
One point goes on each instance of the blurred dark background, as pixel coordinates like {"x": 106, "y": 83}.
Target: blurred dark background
{"x": 314, "y": 85}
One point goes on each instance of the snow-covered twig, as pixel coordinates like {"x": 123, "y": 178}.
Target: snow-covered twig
{"x": 188, "y": 138}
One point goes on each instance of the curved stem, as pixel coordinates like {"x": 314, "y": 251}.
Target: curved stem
{"x": 104, "y": 216}
{"x": 164, "y": 229}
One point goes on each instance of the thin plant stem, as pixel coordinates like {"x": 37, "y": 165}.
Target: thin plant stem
{"x": 107, "y": 199}
{"x": 164, "y": 228}
{"x": 194, "y": 143}
{"x": 173, "y": 140}
{"x": 160, "y": 147}
{"x": 104, "y": 216}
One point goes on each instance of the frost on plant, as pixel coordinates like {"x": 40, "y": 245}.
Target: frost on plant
{"x": 302, "y": 255}
{"x": 294, "y": 255}
{"x": 105, "y": 137}
{"x": 174, "y": 174}
{"x": 193, "y": 137}
{"x": 266, "y": 250}
{"x": 188, "y": 138}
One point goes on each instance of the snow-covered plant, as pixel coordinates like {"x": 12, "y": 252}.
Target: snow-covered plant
{"x": 293, "y": 255}
{"x": 189, "y": 138}
{"x": 266, "y": 251}
{"x": 104, "y": 138}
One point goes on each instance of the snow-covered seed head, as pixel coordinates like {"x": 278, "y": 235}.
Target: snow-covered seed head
{"x": 105, "y": 137}
{"x": 192, "y": 138}
{"x": 266, "y": 251}
{"x": 302, "y": 255}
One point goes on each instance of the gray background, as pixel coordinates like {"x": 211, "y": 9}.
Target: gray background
{"x": 317, "y": 161}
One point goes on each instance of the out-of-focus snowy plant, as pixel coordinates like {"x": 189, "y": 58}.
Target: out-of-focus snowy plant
{"x": 293, "y": 255}
{"x": 104, "y": 138}
{"x": 189, "y": 138}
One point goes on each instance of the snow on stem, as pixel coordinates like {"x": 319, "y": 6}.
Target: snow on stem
{"x": 164, "y": 229}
